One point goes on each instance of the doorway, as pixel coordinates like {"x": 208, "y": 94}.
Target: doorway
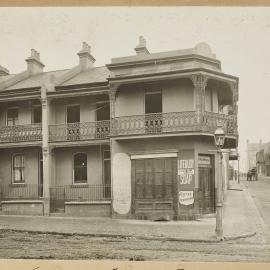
{"x": 154, "y": 182}
{"x": 153, "y": 111}
{"x": 206, "y": 192}
{"x": 73, "y": 122}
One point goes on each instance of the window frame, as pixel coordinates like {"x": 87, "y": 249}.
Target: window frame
{"x": 13, "y": 169}
{"x": 73, "y": 172}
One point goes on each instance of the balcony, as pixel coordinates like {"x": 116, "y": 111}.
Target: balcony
{"x": 20, "y": 133}
{"x": 79, "y": 131}
{"x": 188, "y": 121}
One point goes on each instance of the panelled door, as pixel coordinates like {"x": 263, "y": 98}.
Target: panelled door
{"x": 155, "y": 183}
{"x": 206, "y": 192}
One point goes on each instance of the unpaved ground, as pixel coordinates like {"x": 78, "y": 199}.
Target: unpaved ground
{"x": 57, "y": 246}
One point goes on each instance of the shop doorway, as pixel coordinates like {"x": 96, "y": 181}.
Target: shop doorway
{"x": 206, "y": 192}
{"x": 154, "y": 182}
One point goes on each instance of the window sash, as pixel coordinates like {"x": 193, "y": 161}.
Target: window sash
{"x": 18, "y": 169}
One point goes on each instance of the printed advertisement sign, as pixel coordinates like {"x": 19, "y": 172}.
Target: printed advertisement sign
{"x": 186, "y": 197}
{"x": 186, "y": 171}
{"x": 186, "y": 178}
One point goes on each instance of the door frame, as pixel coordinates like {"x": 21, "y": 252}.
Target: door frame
{"x": 213, "y": 182}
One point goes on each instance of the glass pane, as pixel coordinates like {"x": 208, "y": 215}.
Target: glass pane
{"x": 80, "y": 160}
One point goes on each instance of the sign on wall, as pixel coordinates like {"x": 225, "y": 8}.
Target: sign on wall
{"x": 186, "y": 197}
{"x": 186, "y": 177}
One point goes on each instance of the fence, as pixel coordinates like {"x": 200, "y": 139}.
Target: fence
{"x": 79, "y": 193}
{"x": 20, "y": 192}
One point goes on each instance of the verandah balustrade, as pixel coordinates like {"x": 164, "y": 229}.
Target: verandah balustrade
{"x": 21, "y": 133}
{"x": 187, "y": 121}
{"x": 78, "y": 193}
{"x": 154, "y": 123}
{"x": 79, "y": 131}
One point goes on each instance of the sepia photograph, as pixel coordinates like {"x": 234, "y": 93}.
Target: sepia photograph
{"x": 135, "y": 134}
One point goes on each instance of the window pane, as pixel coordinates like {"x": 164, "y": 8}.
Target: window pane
{"x": 18, "y": 168}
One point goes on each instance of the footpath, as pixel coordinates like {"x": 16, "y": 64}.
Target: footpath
{"x": 241, "y": 219}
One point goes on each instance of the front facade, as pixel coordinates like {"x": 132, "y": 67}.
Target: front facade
{"x": 132, "y": 139}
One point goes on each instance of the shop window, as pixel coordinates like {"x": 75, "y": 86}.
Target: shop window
{"x": 36, "y": 115}
{"x": 18, "y": 168}
{"x": 12, "y": 117}
{"x": 80, "y": 168}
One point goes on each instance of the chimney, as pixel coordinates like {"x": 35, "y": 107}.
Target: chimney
{"x": 86, "y": 58}
{"x": 3, "y": 71}
{"x": 141, "y": 47}
{"x": 34, "y": 65}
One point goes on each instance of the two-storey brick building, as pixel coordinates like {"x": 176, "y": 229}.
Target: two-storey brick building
{"x": 132, "y": 139}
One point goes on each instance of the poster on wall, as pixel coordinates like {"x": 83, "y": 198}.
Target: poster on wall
{"x": 186, "y": 175}
{"x": 186, "y": 197}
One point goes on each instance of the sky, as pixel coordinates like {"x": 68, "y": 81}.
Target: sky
{"x": 239, "y": 36}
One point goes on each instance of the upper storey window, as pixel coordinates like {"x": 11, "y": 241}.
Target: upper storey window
{"x": 12, "y": 117}
{"x": 153, "y": 102}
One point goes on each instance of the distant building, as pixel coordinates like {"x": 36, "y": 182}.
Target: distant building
{"x": 252, "y": 149}
{"x": 263, "y": 160}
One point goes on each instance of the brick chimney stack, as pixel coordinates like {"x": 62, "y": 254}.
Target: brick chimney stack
{"x": 3, "y": 71}
{"x": 141, "y": 47}
{"x": 34, "y": 65}
{"x": 85, "y": 56}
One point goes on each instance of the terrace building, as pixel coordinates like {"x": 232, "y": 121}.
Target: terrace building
{"x": 131, "y": 139}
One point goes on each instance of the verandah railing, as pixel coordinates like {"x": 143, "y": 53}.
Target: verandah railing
{"x": 79, "y": 131}
{"x": 21, "y": 133}
{"x": 156, "y": 123}
{"x": 212, "y": 120}
{"x": 78, "y": 193}
{"x": 20, "y": 192}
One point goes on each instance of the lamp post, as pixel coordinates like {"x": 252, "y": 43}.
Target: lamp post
{"x": 219, "y": 141}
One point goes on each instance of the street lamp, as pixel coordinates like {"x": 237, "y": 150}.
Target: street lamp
{"x": 219, "y": 141}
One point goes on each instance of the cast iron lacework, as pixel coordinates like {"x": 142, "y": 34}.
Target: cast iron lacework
{"x": 21, "y": 133}
{"x": 79, "y": 131}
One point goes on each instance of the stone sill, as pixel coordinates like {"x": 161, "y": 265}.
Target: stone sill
{"x": 87, "y": 202}
{"x": 22, "y": 201}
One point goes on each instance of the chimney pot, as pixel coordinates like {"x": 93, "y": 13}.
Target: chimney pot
{"x": 34, "y": 65}
{"x": 86, "y": 58}
{"x": 141, "y": 47}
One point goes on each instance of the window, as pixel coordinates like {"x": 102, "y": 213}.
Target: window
{"x": 12, "y": 116}
{"x": 18, "y": 168}
{"x": 80, "y": 168}
{"x": 36, "y": 115}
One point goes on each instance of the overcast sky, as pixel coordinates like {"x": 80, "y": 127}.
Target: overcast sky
{"x": 240, "y": 38}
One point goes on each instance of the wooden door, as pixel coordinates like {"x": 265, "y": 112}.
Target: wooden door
{"x": 206, "y": 193}
{"x": 154, "y": 182}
